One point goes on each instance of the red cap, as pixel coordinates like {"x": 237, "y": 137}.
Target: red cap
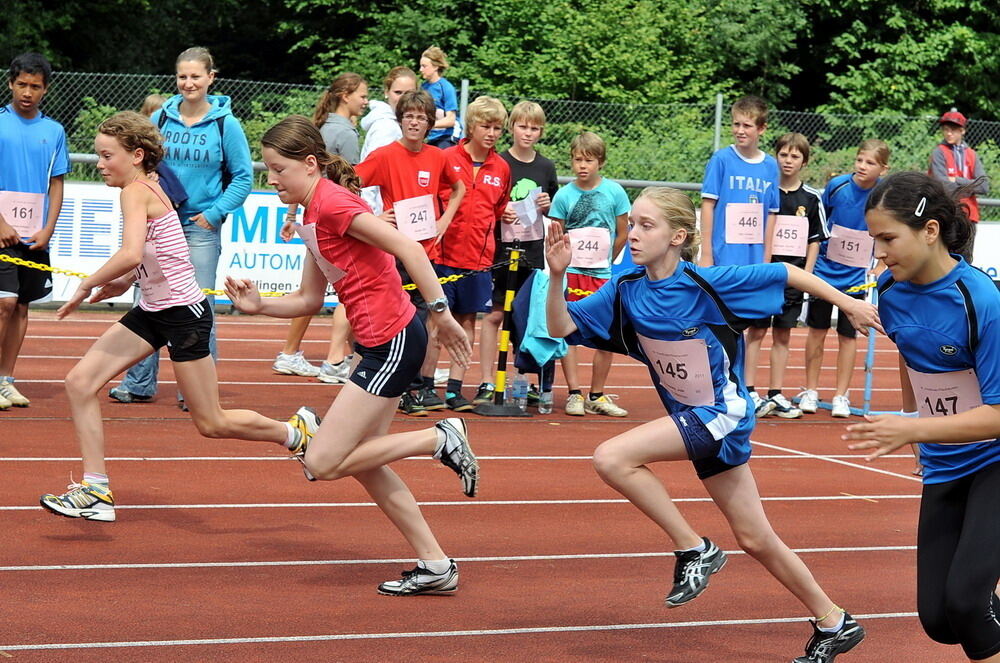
{"x": 953, "y": 117}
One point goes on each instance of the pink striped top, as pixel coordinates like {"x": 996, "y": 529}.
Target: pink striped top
{"x": 166, "y": 275}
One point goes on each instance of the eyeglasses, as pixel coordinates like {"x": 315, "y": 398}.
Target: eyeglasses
{"x": 410, "y": 117}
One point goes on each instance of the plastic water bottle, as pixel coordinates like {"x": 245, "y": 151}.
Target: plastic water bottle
{"x": 545, "y": 403}
{"x": 521, "y": 391}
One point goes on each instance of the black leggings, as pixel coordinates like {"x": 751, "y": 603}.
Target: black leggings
{"x": 958, "y": 562}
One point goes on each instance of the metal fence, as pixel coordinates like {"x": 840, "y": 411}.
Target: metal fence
{"x": 655, "y": 142}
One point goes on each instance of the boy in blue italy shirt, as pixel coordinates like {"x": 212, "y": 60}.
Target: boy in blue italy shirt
{"x": 681, "y": 321}
{"x": 739, "y": 195}
{"x": 33, "y": 161}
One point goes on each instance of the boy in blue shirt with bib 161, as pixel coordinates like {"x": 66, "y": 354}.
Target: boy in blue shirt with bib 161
{"x": 739, "y": 194}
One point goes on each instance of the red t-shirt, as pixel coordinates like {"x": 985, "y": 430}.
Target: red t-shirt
{"x": 401, "y": 174}
{"x": 371, "y": 290}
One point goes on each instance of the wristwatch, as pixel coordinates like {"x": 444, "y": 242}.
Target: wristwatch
{"x": 439, "y": 305}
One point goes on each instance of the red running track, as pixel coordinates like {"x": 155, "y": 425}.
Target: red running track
{"x": 222, "y": 552}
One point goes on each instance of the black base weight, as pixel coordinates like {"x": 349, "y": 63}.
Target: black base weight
{"x": 494, "y": 410}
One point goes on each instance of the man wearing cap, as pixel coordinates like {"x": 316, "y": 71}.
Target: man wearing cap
{"x": 955, "y": 164}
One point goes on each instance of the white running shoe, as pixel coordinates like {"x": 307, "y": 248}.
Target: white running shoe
{"x": 574, "y": 405}
{"x": 783, "y": 408}
{"x": 334, "y": 373}
{"x": 841, "y": 406}
{"x": 808, "y": 401}
{"x": 604, "y": 405}
{"x": 83, "y": 500}
{"x": 456, "y": 454}
{"x": 8, "y": 392}
{"x": 294, "y": 364}
{"x": 422, "y": 581}
{"x": 761, "y": 406}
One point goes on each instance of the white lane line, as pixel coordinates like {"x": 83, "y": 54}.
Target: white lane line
{"x": 831, "y": 459}
{"x": 353, "y": 505}
{"x": 434, "y": 634}
{"x": 360, "y": 562}
{"x": 63, "y": 459}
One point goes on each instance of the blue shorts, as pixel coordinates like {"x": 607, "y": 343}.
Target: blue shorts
{"x": 703, "y": 449}
{"x": 388, "y": 369}
{"x": 470, "y": 294}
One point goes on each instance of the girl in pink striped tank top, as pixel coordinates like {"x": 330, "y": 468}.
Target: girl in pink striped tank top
{"x": 172, "y": 313}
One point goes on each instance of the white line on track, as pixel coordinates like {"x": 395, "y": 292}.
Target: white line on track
{"x": 434, "y": 634}
{"x": 64, "y": 459}
{"x": 832, "y": 459}
{"x": 360, "y": 562}
{"x": 352, "y": 505}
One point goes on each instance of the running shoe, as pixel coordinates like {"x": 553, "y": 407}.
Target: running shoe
{"x": 458, "y": 403}
{"x": 427, "y": 396}
{"x": 422, "y": 581}
{"x": 761, "y": 406}
{"x": 306, "y": 422}
{"x": 808, "y": 401}
{"x": 83, "y": 500}
{"x": 294, "y": 364}
{"x": 10, "y": 393}
{"x": 604, "y": 405}
{"x": 484, "y": 394}
{"x": 410, "y": 406}
{"x": 824, "y": 647}
{"x": 455, "y": 453}
{"x": 783, "y": 408}
{"x": 574, "y": 405}
{"x": 5, "y": 404}
{"x": 334, "y": 373}
{"x": 123, "y": 395}
{"x": 533, "y": 396}
{"x": 841, "y": 407}
{"x": 692, "y": 571}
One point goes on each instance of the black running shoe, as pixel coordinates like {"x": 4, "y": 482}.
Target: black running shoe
{"x": 824, "y": 647}
{"x": 456, "y": 454}
{"x": 421, "y": 581}
{"x": 692, "y": 571}
{"x": 428, "y": 397}
{"x": 533, "y": 396}
{"x": 409, "y": 405}
{"x": 459, "y": 403}
{"x": 484, "y": 394}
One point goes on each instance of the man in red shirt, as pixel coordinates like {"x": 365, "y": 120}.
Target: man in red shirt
{"x": 468, "y": 244}
{"x": 410, "y": 174}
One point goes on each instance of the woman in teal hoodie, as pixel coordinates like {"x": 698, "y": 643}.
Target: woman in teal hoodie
{"x": 205, "y": 146}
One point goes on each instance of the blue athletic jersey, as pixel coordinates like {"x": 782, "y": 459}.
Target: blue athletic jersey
{"x": 445, "y": 98}
{"x": 694, "y": 303}
{"x": 730, "y": 178}
{"x": 31, "y": 151}
{"x": 952, "y": 324}
{"x": 599, "y": 207}
{"x": 844, "y": 202}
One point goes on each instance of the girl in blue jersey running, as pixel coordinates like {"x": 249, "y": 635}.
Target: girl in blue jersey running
{"x": 944, "y": 316}
{"x": 683, "y": 322}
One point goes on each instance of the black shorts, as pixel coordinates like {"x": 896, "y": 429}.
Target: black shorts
{"x": 820, "y": 311}
{"x": 787, "y": 319}
{"x": 26, "y": 283}
{"x": 500, "y": 282}
{"x": 702, "y": 447}
{"x": 469, "y": 294}
{"x": 388, "y": 369}
{"x": 185, "y": 330}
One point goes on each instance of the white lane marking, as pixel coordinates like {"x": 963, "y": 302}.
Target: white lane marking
{"x": 353, "y": 505}
{"x": 62, "y": 459}
{"x": 359, "y": 562}
{"x": 831, "y": 459}
{"x": 434, "y": 634}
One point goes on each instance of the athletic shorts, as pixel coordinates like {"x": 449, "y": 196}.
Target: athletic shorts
{"x": 820, "y": 311}
{"x": 388, "y": 369}
{"x": 500, "y": 282}
{"x": 469, "y": 294}
{"x": 702, "y": 447}
{"x": 582, "y": 282}
{"x": 185, "y": 330}
{"x": 26, "y": 283}
{"x": 787, "y": 319}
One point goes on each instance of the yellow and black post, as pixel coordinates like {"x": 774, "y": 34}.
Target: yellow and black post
{"x": 500, "y": 408}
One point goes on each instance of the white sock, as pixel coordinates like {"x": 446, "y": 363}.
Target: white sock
{"x": 436, "y": 566}
{"x": 292, "y": 436}
{"x": 834, "y": 629}
{"x": 701, "y": 547}
{"x": 94, "y": 477}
